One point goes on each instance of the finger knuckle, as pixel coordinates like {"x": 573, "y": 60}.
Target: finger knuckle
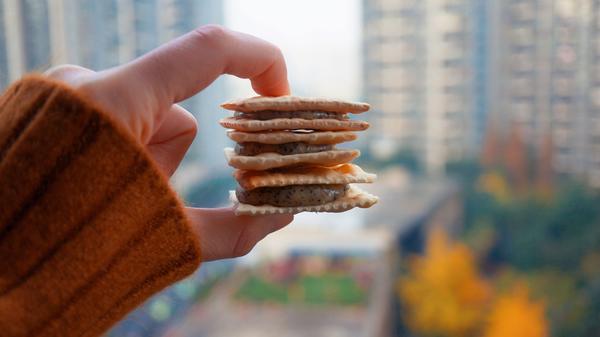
{"x": 211, "y": 33}
{"x": 277, "y": 58}
{"x": 277, "y": 51}
{"x": 58, "y": 72}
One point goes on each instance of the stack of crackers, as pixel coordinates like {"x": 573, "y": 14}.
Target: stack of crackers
{"x": 286, "y": 158}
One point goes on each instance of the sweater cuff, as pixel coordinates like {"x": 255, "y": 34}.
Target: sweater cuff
{"x": 89, "y": 227}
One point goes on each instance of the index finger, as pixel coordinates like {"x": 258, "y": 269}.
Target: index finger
{"x": 223, "y": 234}
{"x": 185, "y": 66}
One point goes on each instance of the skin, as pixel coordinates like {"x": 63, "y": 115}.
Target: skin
{"x": 142, "y": 95}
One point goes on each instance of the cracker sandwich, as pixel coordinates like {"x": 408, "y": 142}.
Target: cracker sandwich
{"x": 286, "y": 158}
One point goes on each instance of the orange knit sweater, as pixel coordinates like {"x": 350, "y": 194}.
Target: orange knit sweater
{"x": 89, "y": 227}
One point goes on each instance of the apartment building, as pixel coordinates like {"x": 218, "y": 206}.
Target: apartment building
{"x": 425, "y": 77}
{"x": 35, "y": 35}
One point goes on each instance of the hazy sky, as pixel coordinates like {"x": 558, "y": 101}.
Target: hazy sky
{"x": 321, "y": 41}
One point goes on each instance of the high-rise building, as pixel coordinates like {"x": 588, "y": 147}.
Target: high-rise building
{"x": 544, "y": 78}
{"x": 4, "y": 75}
{"x": 439, "y": 72}
{"x": 178, "y": 17}
{"x": 522, "y": 49}
{"x": 423, "y": 70}
{"x": 394, "y": 64}
{"x": 569, "y": 68}
{"x": 26, "y": 38}
{"x": 35, "y": 35}
{"x": 592, "y": 99}
{"x": 86, "y": 33}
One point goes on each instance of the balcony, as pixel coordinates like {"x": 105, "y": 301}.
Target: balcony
{"x": 390, "y": 103}
{"x": 523, "y": 11}
{"x": 522, "y": 36}
{"x": 566, "y": 9}
{"x": 454, "y": 76}
{"x": 522, "y": 62}
{"x": 566, "y": 34}
{"x": 522, "y": 111}
{"x": 453, "y": 51}
{"x": 595, "y": 97}
{"x": 562, "y": 112}
{"x": 595, "y": 153}
{"x": 454, "y": 103}
{"x": 397, "y": 125}
{"x": 398, "y": 78}
{"x": 522, "y": 87}
{"x": 394, "y": 26}
{"x": 594, "y": 125}
{"x": 595, "y": 74}
{"x": 451, "y": 22}
{"x": 394, "y": 5}
{"x": 565, "y": 58}
{"x": 393, "y": 52}
{"x": 595, "y": 45}
{"x": 455, "y": 128}
{"x": 564, "y": 86}
{"x": 562, "y": 137}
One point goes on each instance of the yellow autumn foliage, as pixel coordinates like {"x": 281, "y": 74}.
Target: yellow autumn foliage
{"x": 516, "y": 315}
{"x": 495, "y": 184}
{"x": 443, "y": 293}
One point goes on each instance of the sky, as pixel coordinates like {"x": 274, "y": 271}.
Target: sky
{"x": 321, "y": 41}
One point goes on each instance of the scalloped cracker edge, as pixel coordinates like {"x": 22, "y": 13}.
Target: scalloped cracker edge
{"x": 282, "y": 137}
{"x": 252, "y": 125}
{"x": 265, "y": 161}
{"x": 341, "y": 174}
{"x": 354, "y": 197}
{"x": 295, "y": 103}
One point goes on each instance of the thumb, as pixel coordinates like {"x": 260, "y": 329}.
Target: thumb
{"x": 225, "y": 235}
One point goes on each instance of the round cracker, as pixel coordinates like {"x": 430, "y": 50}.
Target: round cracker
{"x": 295, "y": 103}
{"x": 282, "y": 137}
{"x": 354, "y": 197}
{"x": 265, "y": 161}
{"x": 341, "y": 174}
{"x": 251, "y": 125}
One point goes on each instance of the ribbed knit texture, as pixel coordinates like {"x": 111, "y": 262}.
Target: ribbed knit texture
{"x": 89, "y": 227}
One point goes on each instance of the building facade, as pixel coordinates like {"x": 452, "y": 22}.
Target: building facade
{"x": 422, "y": 73}
{"x": 38, "y": 34}
{"x": 545, "y": 79}
{"x": 438, "y": 73}
{"x": 592, "y": 99}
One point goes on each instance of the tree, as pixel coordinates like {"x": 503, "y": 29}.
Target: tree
{"x": 544, "y": 179}
{"x": 492, "y": 147}
{"x": 515, "y": 160}
{"x": 443, "y": 294}
{"x": 516, "y": 315}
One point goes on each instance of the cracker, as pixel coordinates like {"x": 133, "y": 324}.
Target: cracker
{"x": 354, "y": 197}
{"x": 282, "y": 137}
{"x": 341, "y": 174}
{"x": 294, "y": 103}
{"x": 265, "y": 161}
{"x": 252, "y": 125}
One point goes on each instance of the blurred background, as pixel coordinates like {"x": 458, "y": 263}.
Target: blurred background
{"x": 485, "y": 134}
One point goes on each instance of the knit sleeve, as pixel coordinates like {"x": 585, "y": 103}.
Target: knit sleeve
{"x": 89, "y": 227}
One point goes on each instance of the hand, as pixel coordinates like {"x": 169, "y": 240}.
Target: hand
{"x": 143, "y": 96}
